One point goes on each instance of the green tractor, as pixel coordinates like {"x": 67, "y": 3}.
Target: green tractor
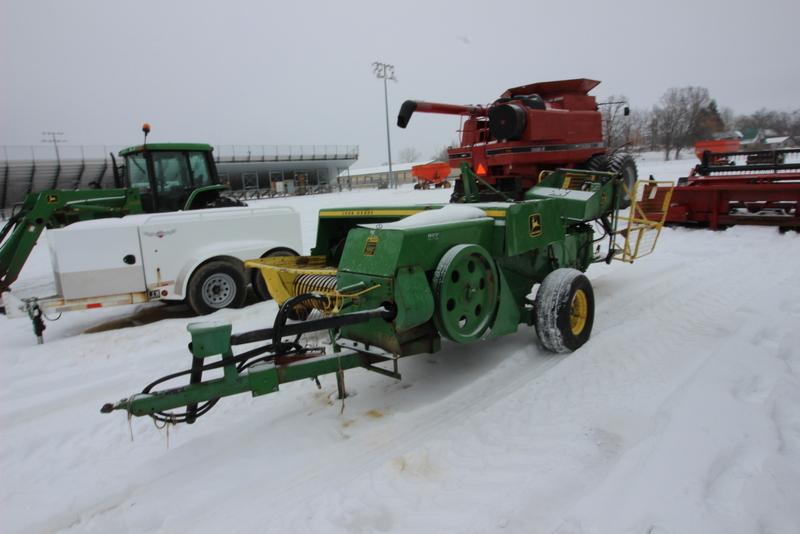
{"x": 173, "y": 176}
{"x": 156, "y": 177}
{"x": 391, "y": 282}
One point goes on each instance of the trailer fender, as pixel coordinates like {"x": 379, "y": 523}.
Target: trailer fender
{"x": 233, "y": 252}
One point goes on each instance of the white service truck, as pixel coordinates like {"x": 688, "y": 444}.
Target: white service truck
{"x": 193, "y": 256}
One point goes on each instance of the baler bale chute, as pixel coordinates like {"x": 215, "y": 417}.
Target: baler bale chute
{"x": 390, "y": 282}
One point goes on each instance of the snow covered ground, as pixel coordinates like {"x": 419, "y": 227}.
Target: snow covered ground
{"x": 681, "y": 414}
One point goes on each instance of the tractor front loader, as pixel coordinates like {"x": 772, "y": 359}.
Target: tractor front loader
{"x": 159, "y": 177}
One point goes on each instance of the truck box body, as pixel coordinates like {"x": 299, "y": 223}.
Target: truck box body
{"x": 159, "y": 252}
{"x": 89, "y": 259}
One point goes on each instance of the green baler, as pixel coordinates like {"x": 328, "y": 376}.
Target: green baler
{"x": 389, "y": 282}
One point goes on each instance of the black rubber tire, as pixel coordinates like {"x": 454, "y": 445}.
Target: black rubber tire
{"x": 552, "y": 309}
{"x": 231, "y": 287}
{"x": 616, "y": 163}
{"x": 257, "y": 281}
{"x": 223, "y": 201}
{"x": 625, "y": 165}
{"x": 598, "y": 162}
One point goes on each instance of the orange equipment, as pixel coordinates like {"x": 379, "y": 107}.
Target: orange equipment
{"x": 431, "y": 174}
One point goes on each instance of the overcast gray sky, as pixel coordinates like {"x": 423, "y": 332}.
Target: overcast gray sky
{"x": 232, "y": 72}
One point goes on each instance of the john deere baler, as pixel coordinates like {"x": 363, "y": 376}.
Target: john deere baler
{"x": 389, "y": 282}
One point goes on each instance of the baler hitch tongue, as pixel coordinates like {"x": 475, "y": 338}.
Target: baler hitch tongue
{"x": 259, "y": 370}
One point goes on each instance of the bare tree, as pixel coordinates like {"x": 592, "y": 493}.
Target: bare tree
{"x": 669, "y": 120}
{"x": 781, "y": 122}
{"x": 699, "y": 109}
{"x": 638, "y": 132}
{"x": 441, "y": 154}
{"x": 683, "y": 115}
{"x": 409, "y": 155}
{"x": 728, "y": 118}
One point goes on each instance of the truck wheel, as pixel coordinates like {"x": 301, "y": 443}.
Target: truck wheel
{"x": 257, "y": 283}
{"x": 564, "y": 310}
{"x": 216, "y": 285}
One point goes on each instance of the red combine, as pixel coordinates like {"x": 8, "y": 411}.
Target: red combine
{"x": 431, "y": 175}
{"x": 744, "y": 187}
{"x": 529, "y": 129}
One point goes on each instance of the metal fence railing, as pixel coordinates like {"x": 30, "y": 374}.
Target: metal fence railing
{"x": 243, "y": 153}
{"x": 25, "y": 169}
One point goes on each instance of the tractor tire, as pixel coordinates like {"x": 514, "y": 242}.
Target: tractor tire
{"x": 626, "y": 166}
{"x": 215, "y": 285}
{"x": 616, "y": 163}
{"x": 598, "y": 162}
{"x": 564, "y": 310}
{"x": 257, "y": 281}
{"x": 226, "y": 202}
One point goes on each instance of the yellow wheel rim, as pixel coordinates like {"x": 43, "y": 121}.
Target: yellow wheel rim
{"x": 579, "y": 312}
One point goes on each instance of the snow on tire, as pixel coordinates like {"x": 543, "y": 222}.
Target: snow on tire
{"x": 564, "y": 310}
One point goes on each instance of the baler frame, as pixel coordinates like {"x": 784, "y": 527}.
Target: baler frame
{"x": 374, "y": 318}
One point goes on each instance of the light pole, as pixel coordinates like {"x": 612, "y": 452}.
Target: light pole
{"x": 386, "y": 72}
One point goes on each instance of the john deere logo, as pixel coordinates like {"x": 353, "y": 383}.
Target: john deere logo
{"x": 52, "y": 199}
{"x": 535, "y": 225}
{"x": 372, "y": 244}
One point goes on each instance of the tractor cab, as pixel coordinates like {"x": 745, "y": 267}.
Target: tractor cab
{"x": 174, "y": 176}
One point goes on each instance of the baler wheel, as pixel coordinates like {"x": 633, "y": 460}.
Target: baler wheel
{"x": 564, "y": 310}
{"x": 465, "y": 286}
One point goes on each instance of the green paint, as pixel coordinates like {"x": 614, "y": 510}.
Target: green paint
{"x": 465, "y": 280}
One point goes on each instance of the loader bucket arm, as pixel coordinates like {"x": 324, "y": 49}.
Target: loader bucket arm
{"x": 410, "y": 106}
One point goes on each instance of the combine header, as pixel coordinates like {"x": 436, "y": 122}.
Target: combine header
{"x": 390, "y": 282}
{"x": 746, "y": 187}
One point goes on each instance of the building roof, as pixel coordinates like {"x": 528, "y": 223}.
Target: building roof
{"x": 776, "y": 140}
{"x": 383, "y": 169}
